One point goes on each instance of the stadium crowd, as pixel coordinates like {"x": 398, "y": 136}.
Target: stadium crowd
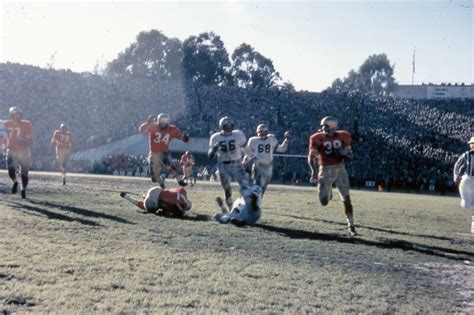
{"x": 397, "y": 143}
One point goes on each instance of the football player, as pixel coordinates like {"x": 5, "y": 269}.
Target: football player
{"x": 259, "y": 154}
{"x": 62, "y": 140}
{"x": 187, "y": 162}
{"x": 228, "y": 144}
{"x": 162, "y": 201}
{"x": 242, "y": 211}
{"x": 464, "y": 177}
{"x": 327, "y": 150}
{"x": 19, "y": 140}
{"x": 160, "y": 133}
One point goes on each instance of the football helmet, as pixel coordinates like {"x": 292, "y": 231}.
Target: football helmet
{"x": 63, "y": 127}
{"x": 328, "y": 124}
{"x": 262, "y": 130}
{"x": 15, "y": 111}
{"x": 226, "y": 124}
{"x": 187, "y": 153}
{"x": 152, "y": 198}
{"x": 163, "y": 120}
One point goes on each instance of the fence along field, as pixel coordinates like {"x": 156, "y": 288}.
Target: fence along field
{"x": 82, "y": 249}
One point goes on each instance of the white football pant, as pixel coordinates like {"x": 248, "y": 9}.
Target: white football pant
{"x": 466, "y": 190}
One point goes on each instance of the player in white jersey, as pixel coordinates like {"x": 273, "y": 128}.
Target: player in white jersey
{"x": 228, "y": 145}
{"x": 464, "y": 177}
{"x": 242, "y": 212}
{"x": 259, "y": 154}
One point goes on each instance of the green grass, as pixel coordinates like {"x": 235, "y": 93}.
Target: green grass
{"x": 83, "y": 249}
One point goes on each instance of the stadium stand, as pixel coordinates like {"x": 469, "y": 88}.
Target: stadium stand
{"x": 398, "y": 143}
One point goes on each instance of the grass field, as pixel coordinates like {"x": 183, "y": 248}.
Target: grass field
{"x": 82, "y": 249}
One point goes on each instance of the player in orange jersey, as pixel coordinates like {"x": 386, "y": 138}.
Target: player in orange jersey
{"x": 162, "y": 201}
{"x": 160, "y": 134}
{"x": 328, "y": 148}
{"x": 19, "y": 140}
{"x": 187, "y": 162}
{"x": 62, "y": 139}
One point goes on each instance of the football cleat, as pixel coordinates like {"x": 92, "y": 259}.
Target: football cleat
{"x": 64, "y": 181}
{"x": 23, "y": 194}
{"x": 15, "y": 188}
{"x": 352, "y": 231}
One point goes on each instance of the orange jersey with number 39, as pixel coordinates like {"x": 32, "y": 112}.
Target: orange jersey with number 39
{"x": 159, "y": 139}
{"x": 327, "y": 146}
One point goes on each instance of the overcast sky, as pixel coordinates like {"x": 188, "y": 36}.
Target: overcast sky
{"x": 310, "y": 42}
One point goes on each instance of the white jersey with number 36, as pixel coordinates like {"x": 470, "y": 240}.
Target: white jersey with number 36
{"x": 262, "y": 149}
{"x": 230, "y": 146}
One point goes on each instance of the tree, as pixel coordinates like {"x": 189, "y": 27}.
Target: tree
{"x": 205, "y": 59}
{"x": 374, "y": 76}
{"x": 153, "y": 56}
{"x": 252, "y": 69}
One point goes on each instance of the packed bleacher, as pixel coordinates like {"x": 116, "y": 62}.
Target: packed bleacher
{"x": 410, "y": 144}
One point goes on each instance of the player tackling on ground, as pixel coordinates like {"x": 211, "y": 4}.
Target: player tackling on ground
{"x": 160, "y": 133}
{"x": 19, "y": 140}
{"x": 162, "y": 201}
{"x": 327, "y": 149}
{"x": 259, "y": 153}
{"x": 228, "y": 145}
{"x": 62, "y": 140}
{"x": 464, "y": 177}
{"x": 242, "y": 211}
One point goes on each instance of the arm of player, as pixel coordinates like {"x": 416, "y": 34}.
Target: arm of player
{"x": 345, "y": 152}
{"x": 459, "y": 168}
{"x": 212, "y": 151}
{"x": 144, "y": 126}
{"x": 27, "y": 138}
{"x": 313, "y": 164}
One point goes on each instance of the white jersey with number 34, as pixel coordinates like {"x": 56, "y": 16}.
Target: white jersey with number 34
{"x": 230, "y": 146}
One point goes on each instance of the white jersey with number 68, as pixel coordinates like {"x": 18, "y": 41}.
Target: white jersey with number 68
{"x": 262, "y": 149}
{"x": 230, "y": 146}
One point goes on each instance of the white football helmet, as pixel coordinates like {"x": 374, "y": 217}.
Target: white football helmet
{"x": 328, "y": 124}
{"x": 163, "y": 120}
{"x": 262, "y": 130}
{"x": 15, "y": 111}
{"x": 226, "y": 124}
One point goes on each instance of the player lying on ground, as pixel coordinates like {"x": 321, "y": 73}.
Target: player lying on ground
{"x": 242, "y": 212}
{"x": 464, "y": 177}
{"x": 162, "y": 201}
